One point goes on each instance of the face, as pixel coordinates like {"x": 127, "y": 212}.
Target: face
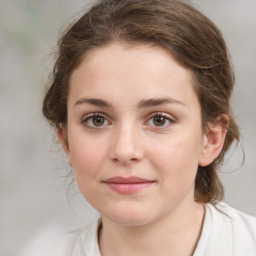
{"x": 134, "y": 135}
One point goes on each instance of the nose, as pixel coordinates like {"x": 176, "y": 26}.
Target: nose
{"x": 126, "y": 146}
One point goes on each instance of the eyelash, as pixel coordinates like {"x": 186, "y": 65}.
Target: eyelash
{"x": 162, "y": 115}
{"x": 89, "y": 118}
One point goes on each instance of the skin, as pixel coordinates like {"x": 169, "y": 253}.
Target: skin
{"x": 158, "y": 140}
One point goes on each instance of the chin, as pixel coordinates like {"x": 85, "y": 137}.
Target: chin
{"x": 131, "y": 221}
{"x": 129, "y": 217}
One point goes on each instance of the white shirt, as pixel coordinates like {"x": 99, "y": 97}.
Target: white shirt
{"x": 226, "y": 232}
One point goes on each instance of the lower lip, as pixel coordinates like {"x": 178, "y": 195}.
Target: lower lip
{"x": 129, "y": 188}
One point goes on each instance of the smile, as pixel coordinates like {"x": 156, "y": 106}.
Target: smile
{"x": 128, "y": 185}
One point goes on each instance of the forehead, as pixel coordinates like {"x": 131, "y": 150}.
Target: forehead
{"x": 138, "y": 70}
{"x": 149, "y": 56}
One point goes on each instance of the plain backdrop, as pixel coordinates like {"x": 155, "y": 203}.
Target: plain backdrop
{"x": 34, "y": 193}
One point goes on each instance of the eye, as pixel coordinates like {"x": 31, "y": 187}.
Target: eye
{"x": 160, "y": 120}
{"x": 95, "y": 121}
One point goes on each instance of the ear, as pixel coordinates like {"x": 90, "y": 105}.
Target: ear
{"x": 63, "y": 138}
{"x": 213, "y": 140}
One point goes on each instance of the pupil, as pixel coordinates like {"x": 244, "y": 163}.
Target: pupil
{"x": 98, "y": 121}
{"x": 159, "y": 120}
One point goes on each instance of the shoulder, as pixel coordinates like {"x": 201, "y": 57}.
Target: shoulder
{"x": 65, "y": 244}
{"x": 57, "y": 242}
{"x": 231, "y": 228}
{"x": 241, "y": 222}
{"x": 87, "y": 241}
{"x": 52, "y": 242}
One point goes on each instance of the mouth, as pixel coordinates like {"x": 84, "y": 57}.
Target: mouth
{"x": 128, "y": 185}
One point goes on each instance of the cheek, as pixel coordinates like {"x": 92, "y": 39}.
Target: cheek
{"x": 86, "y": 156}
{"x": 176, "y": 160}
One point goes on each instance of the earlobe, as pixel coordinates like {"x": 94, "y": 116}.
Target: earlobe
{"x": 62, "y": 136}
{"x": 213, "y": 140}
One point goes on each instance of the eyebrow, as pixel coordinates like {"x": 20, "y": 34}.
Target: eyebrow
{"x": 93, "y": 101}
{"x": 159, "y": 101}
{"x": 142, "y": 104}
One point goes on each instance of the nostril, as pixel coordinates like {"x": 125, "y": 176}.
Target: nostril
{"x": 125, "y": 161}
{"x": 125, "y": 150}
{"x": 115, "y": 160}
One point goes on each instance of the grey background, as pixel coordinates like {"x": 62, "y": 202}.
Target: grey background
{"x": 33, "y": 187}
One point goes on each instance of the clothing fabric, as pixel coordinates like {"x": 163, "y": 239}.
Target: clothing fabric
{"x": 226, "y": 232}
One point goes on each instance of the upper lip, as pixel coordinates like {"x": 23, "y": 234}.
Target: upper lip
{"x": 126, "y": 180}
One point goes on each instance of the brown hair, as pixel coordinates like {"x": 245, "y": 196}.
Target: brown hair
{"x": 173, "y": 25}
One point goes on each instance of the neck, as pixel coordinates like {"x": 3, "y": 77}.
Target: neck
{"x": 176, "y": 233}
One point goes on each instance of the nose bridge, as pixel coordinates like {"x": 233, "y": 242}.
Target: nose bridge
{"x": 125, "y": 144}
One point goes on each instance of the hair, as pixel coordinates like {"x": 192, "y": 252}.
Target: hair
{"x": 172, "y": 25}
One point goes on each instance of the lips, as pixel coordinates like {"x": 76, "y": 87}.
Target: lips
{"x": 128, "y": 185}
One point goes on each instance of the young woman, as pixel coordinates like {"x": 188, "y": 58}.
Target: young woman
{"x": 140, "y": 102}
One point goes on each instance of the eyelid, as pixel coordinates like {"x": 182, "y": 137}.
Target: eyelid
{"x": 94, "y": 114}
{"x": 146, "y": 123}
{"x": 163, "y": 114}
